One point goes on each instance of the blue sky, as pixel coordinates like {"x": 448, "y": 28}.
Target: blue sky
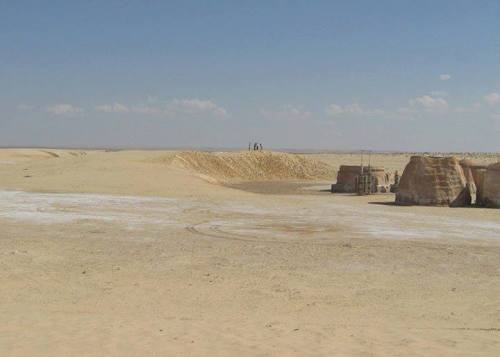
{"x": 381, "y": 75}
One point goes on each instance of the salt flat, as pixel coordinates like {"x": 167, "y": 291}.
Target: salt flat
{"x": 328, "y": 215}
{"x": 137, "y": 253}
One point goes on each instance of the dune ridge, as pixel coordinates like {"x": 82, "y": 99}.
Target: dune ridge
{"x": 252, "y": 166}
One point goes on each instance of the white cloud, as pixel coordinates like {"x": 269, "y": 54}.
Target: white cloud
{"x": 196, "y": 107}
{"x": 492, "y": 98}
{"x": 63, "y": 110}
{"x": 287, "y": 113}
{"x": 444, "y": 77}
{"x": 334, "y": 109}
{"x": 428, "y": 102}
{"x": 353, "y": 109}
{"x": 169, "y": 109}
{"x": 112, "y": 108}
{"x": 147, "y": 110}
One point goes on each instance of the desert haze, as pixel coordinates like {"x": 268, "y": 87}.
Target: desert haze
{"x": 137, "y": 253}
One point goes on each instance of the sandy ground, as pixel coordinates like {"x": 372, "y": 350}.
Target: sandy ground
{"x": 125, "y": 254}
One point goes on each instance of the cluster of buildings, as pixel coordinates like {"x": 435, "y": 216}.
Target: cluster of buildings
{"x": 431, "y": 181}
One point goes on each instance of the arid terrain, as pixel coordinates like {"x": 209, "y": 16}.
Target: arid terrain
{"x": 164, "y": 253}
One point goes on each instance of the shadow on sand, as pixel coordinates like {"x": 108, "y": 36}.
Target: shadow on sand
{"x": 391, "y": 203}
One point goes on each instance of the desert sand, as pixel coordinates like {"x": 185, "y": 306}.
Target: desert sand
{"x": 165, "y": 253}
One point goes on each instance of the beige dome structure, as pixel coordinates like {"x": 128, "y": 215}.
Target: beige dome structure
{"x": 433, "y": 181}
{"x": 348, "y": 179}
{"x": 491, "y": 186}
{"x": 379, "y": 181}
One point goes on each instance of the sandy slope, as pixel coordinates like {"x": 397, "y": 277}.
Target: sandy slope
{"x": 253, "y": 166}
{"x": 129, "y": 253}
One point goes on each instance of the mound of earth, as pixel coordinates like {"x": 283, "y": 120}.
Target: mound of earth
{"x": 253, "y": 166}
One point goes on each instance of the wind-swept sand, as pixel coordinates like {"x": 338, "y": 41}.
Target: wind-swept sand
{"x": 134, "y": 253}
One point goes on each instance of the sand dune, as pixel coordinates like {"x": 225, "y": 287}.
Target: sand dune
{"x": 253, "y": 165}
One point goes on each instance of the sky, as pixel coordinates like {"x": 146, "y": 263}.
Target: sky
{"x": 330, "y": 75}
